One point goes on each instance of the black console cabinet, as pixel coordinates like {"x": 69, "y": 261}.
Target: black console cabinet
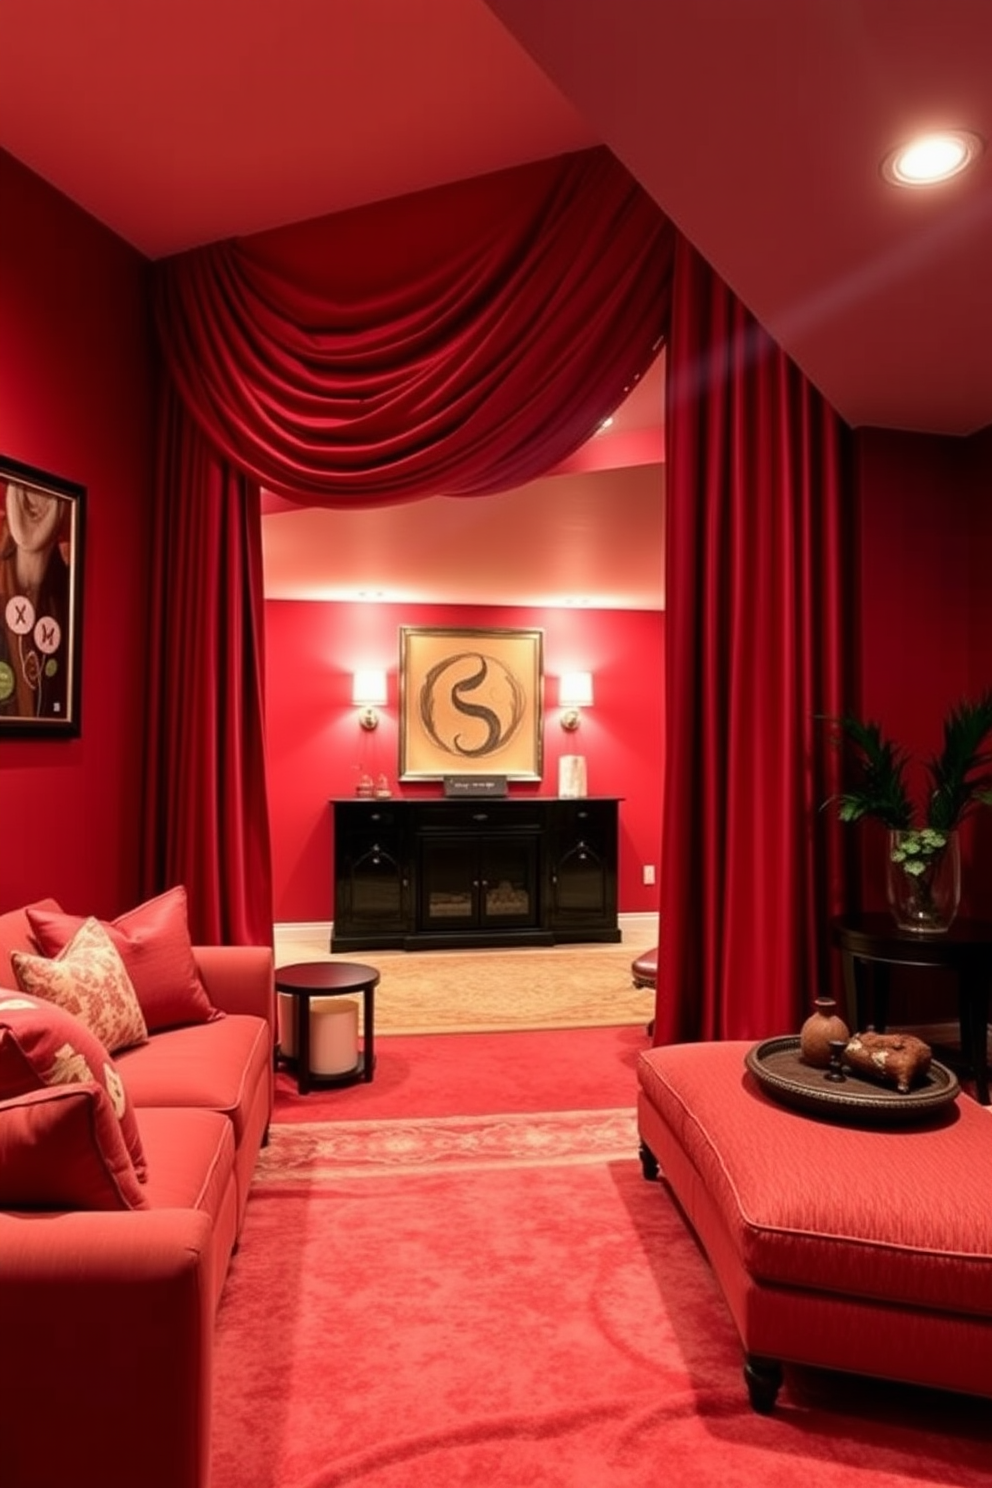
{"x": 425, "y": 874}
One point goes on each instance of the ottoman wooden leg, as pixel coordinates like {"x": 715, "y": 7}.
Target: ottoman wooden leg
{"x": 649, "y": 1163}
{"x": 763, "y": 1378}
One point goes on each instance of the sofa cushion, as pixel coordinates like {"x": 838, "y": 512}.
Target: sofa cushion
{"x": 61, "y": 1148}
{"x": 154, "y": 944}
{"x": 191, "y": 1157}
{"x": 88, "y": 979}
{"x": 42, "y": 1044}
{"x": 217, "y": 1067}
{"x": 897, "y": 1215}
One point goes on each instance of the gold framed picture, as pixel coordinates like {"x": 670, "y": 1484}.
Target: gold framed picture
{"x": 471, "y": 702}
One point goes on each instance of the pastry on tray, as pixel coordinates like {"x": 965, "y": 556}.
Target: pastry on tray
{"x": 898, "y": 1059}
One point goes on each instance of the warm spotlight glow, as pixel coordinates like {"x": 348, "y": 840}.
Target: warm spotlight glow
{"x": 932, "y": 158}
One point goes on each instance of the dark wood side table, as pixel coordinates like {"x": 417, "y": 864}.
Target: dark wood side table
{"x": 306, "y": 979}
{"x": 870, "y": 943}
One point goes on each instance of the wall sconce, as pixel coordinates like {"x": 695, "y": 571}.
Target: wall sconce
{"x": 368, "y": 692}
{"x": 574, "y": 692}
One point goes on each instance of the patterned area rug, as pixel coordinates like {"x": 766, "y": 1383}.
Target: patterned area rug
{"x": 311, "y": 1152}
{"x": 501, "y": 990}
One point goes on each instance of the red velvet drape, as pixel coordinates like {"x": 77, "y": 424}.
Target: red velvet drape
{"x": 458, "y": 342}
{"x": 207, "y": 822}
{"x": 757, "y": 540}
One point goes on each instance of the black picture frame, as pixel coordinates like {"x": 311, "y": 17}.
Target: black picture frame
{"x": 41, "y": 602}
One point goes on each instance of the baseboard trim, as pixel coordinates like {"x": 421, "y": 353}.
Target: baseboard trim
{"x": 635, "y": 929}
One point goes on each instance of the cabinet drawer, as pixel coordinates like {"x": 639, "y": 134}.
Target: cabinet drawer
{"x": 479, "y": 816}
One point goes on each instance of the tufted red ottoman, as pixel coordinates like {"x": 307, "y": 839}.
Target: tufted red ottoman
{"x": 867, "y": 1250}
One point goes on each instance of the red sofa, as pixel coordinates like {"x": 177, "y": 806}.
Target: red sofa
{"x": 107, "y": 1315}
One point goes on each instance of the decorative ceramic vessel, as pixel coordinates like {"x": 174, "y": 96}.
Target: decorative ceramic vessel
{"x": 822, "y": 1026}
{"x": 923, "y": 879}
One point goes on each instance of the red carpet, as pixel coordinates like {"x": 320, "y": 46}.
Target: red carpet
{"x": 463, "y": 1073}
{"x": 499, "y": 1300}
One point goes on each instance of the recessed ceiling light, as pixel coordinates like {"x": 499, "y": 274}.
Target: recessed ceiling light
{"x": 932, "y": 158}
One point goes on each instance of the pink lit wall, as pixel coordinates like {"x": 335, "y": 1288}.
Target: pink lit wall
{"x": 316, "y": 748}
{"x": 75, "y": 400}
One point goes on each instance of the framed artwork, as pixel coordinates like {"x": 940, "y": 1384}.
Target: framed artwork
{"x": 471, "y": 703}
{"x": 41, "y": 580}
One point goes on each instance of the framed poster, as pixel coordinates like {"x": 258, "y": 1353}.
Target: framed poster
{"x": 471, "y": 703}
{"x": 41, "y": 577}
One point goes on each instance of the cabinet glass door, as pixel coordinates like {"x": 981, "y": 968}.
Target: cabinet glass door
{"x": 508, "y": 879}
{"x": 448, "y": 884}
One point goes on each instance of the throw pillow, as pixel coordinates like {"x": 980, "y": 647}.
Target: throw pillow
{"x": 89, "y": 980}
{"x": 16, "y": 934}
{"x": 61, "y": 1148}
{"x": 154, "y": 944}
{"x": 41, "y": 1044}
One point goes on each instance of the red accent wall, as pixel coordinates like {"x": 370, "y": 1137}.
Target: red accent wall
{"x": 925, "y": 526}
{"x": 75, "y": 400}
{"x": 316, "y": 748}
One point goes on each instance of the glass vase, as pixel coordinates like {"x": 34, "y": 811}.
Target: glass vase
{"x": 924, "y": 879}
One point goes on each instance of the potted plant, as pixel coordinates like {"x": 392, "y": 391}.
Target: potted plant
{"x": 924, "y": 864}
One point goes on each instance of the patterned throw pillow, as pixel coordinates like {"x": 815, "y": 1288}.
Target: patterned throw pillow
{"x": 89, "y": 980}
{"x": 61, "y": 1148}
{"x": 42, "y": 1045}
{"x": 154, "y": 944}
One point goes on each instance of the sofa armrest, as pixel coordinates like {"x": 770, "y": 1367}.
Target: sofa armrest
{"x": 239, "y": 979}
{"x": 108, "y": 1322}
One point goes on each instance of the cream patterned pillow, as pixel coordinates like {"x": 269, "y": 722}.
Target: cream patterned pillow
{"x": 89, "y": 980}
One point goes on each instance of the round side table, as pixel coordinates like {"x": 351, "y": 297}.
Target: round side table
{"x": 306, "y": 979}
{"x": 873, "y": 943}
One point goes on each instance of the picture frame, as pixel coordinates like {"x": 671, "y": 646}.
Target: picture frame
{"x": 41, "y": 591}
{"x": 471, "y": 702}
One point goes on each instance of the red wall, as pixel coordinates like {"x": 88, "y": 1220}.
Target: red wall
{"x": 316, "y": 748}
{"x": 925, "y": 507}
{"x": 75, "y": 400}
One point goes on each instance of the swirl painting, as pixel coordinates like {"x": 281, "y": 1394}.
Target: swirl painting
{"x": 470, "y": 703}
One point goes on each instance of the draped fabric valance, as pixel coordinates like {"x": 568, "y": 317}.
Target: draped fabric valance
{"x": 457, "y": 342}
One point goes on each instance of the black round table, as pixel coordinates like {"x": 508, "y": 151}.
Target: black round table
{"x": 875, "y": 942}
{"x": 306, "y": 979}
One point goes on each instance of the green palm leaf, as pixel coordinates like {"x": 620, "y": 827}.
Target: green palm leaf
{"x": 957, "y": 789}
{"x": 879, "y": 785}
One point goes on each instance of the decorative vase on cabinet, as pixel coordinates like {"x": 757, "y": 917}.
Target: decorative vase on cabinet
{"x": 923, "y": 879}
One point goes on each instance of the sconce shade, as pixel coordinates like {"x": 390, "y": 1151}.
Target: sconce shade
{"x": 575, "y": 690}
{"x": 368, "y": 689}
{"x": 368, "y": 692}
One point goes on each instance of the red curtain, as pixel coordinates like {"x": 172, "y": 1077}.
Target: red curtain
{"x": 207, "y": 822}
{"x": 458, "y": 342}
{"x": 757, "y": 538}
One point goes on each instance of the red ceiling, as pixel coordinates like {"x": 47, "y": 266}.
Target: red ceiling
{"x": 758, "y": 127}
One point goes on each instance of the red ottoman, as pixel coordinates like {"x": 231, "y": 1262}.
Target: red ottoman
{"x": 843, "y": 1247}
{"x": 644, "y": 970}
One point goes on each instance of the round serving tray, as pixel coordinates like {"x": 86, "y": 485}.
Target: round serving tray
{"x": 779, "y": 1070}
